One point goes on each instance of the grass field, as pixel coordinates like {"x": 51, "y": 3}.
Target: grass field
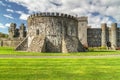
{"x": 60, "y": 69}
{"x": 11, "y": 51}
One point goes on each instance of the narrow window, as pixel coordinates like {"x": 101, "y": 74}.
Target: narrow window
{"x": 37, "y": 32}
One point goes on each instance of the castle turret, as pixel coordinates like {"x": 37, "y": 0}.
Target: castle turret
{"x": 51, "y": 32}
{"x": 104, "y": 34}
{"x": 22, "y": 31}
{"x": 114, "y": 35}
{"x": 12, "y": 30}
{"x": 82, "y": 30}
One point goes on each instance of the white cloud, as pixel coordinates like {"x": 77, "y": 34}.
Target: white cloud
{"x": 8, "y": 16}
{"x": 9, "y": 10}
{"x": 7, "y": 24}
{"x": 19, "y": 12}
{"x": 23, "y": 16}
{"x": 4, "y": 26}
{"x": 1, "y": 3}
{"x": 105, "y": 8}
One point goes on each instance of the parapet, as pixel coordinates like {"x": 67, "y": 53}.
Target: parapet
{"x": 113, "y": 26}
{"x": 83, "y": 18}
{"x": 48, "y": 14}
{"x": 13, "y": 25}
{"x": 104, "y": 26}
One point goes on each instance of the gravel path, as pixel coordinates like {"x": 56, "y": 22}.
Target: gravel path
{"x": 74, "y": 57}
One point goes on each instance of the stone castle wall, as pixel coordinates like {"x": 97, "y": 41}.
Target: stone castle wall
{"x": 52, "y": 25}
{"x": 82, "y": 30}
{"x": 100, "y": 36}
{"x": 57, "y": 32}
{"x": 94, "y": 37}
{"x": 16, "y": 36}
{"x": 10, "y": 42}
{"x": 52, "y": 29}
{"x": 118, "y": 37}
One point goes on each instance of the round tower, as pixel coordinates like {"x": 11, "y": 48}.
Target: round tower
{"x": 114, "y": 35}
{"x": 104, "y": 34}
{"x": 51, "y": 29}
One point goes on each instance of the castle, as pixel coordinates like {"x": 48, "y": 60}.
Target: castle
{"x": 51, "y": 32}
{"x": 57, "y": 32}
{"x": 17, "y": 33}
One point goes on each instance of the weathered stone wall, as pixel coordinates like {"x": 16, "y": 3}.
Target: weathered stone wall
{"x": 118, "y": 37}
{"x": 10, "y": 43}
{"x": 82, "y": 30}
{"x": 94, "y": 37}
{"x": 73, "y": 45}
{"x": 114, "y": 35}
{"x": 99, "y": 37}
{"x": 23, "y": 45}
{"x": 22, "y": 31}
{"x": 54, "y": 27}
{"x": 14, "y": 32}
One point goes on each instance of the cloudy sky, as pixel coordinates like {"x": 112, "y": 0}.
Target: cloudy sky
{"x": 98, "y": 11}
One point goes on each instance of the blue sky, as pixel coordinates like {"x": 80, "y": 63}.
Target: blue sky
{"x": 98, "y": 11}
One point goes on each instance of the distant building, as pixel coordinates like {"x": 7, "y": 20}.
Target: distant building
{"x": 15, "y": 32}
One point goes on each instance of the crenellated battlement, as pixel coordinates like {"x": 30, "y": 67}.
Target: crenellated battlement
{"x": 49, "y": 14}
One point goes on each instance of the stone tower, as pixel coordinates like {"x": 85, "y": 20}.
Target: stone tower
{"x": 22, "y": 31}
{"x": 50, "y": 32}
{"x": 12, "y": 30}
{"x": 114, "y": 34}
{"x": 82, "y": 30}
{"x": 104, "y": 34}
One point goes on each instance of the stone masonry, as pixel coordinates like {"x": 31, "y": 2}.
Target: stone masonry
{"x": 57, "y": 32}
{"x": 103, "y": 35}
{"x": 50, "y": 32}
{"x": 15, "y": 32}
{"x": 82, "y": 30}
{"x": 16, "y": 36}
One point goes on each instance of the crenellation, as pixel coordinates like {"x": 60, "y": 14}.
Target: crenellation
{"x": 32, "y": 16}
{"x": 40, "y": 14}
{"x": 48, "y": 14}
{"x": 52, "y": 14}
{"x": 57, "y": 14}
{"x": 52, "y": 32}
{"x": 49, "y": 28}
{"x": 36, "y": 15}
{"x": 65, "y": 15}
{"x": 62, "y": 14}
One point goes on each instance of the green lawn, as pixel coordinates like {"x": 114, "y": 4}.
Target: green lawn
{"x": 11, "y": 51}
{"x": 60, "y": 69}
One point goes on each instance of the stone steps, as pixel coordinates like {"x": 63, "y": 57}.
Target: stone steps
{"x": 37, "y": 44}
{"x": 23, "y": 45}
